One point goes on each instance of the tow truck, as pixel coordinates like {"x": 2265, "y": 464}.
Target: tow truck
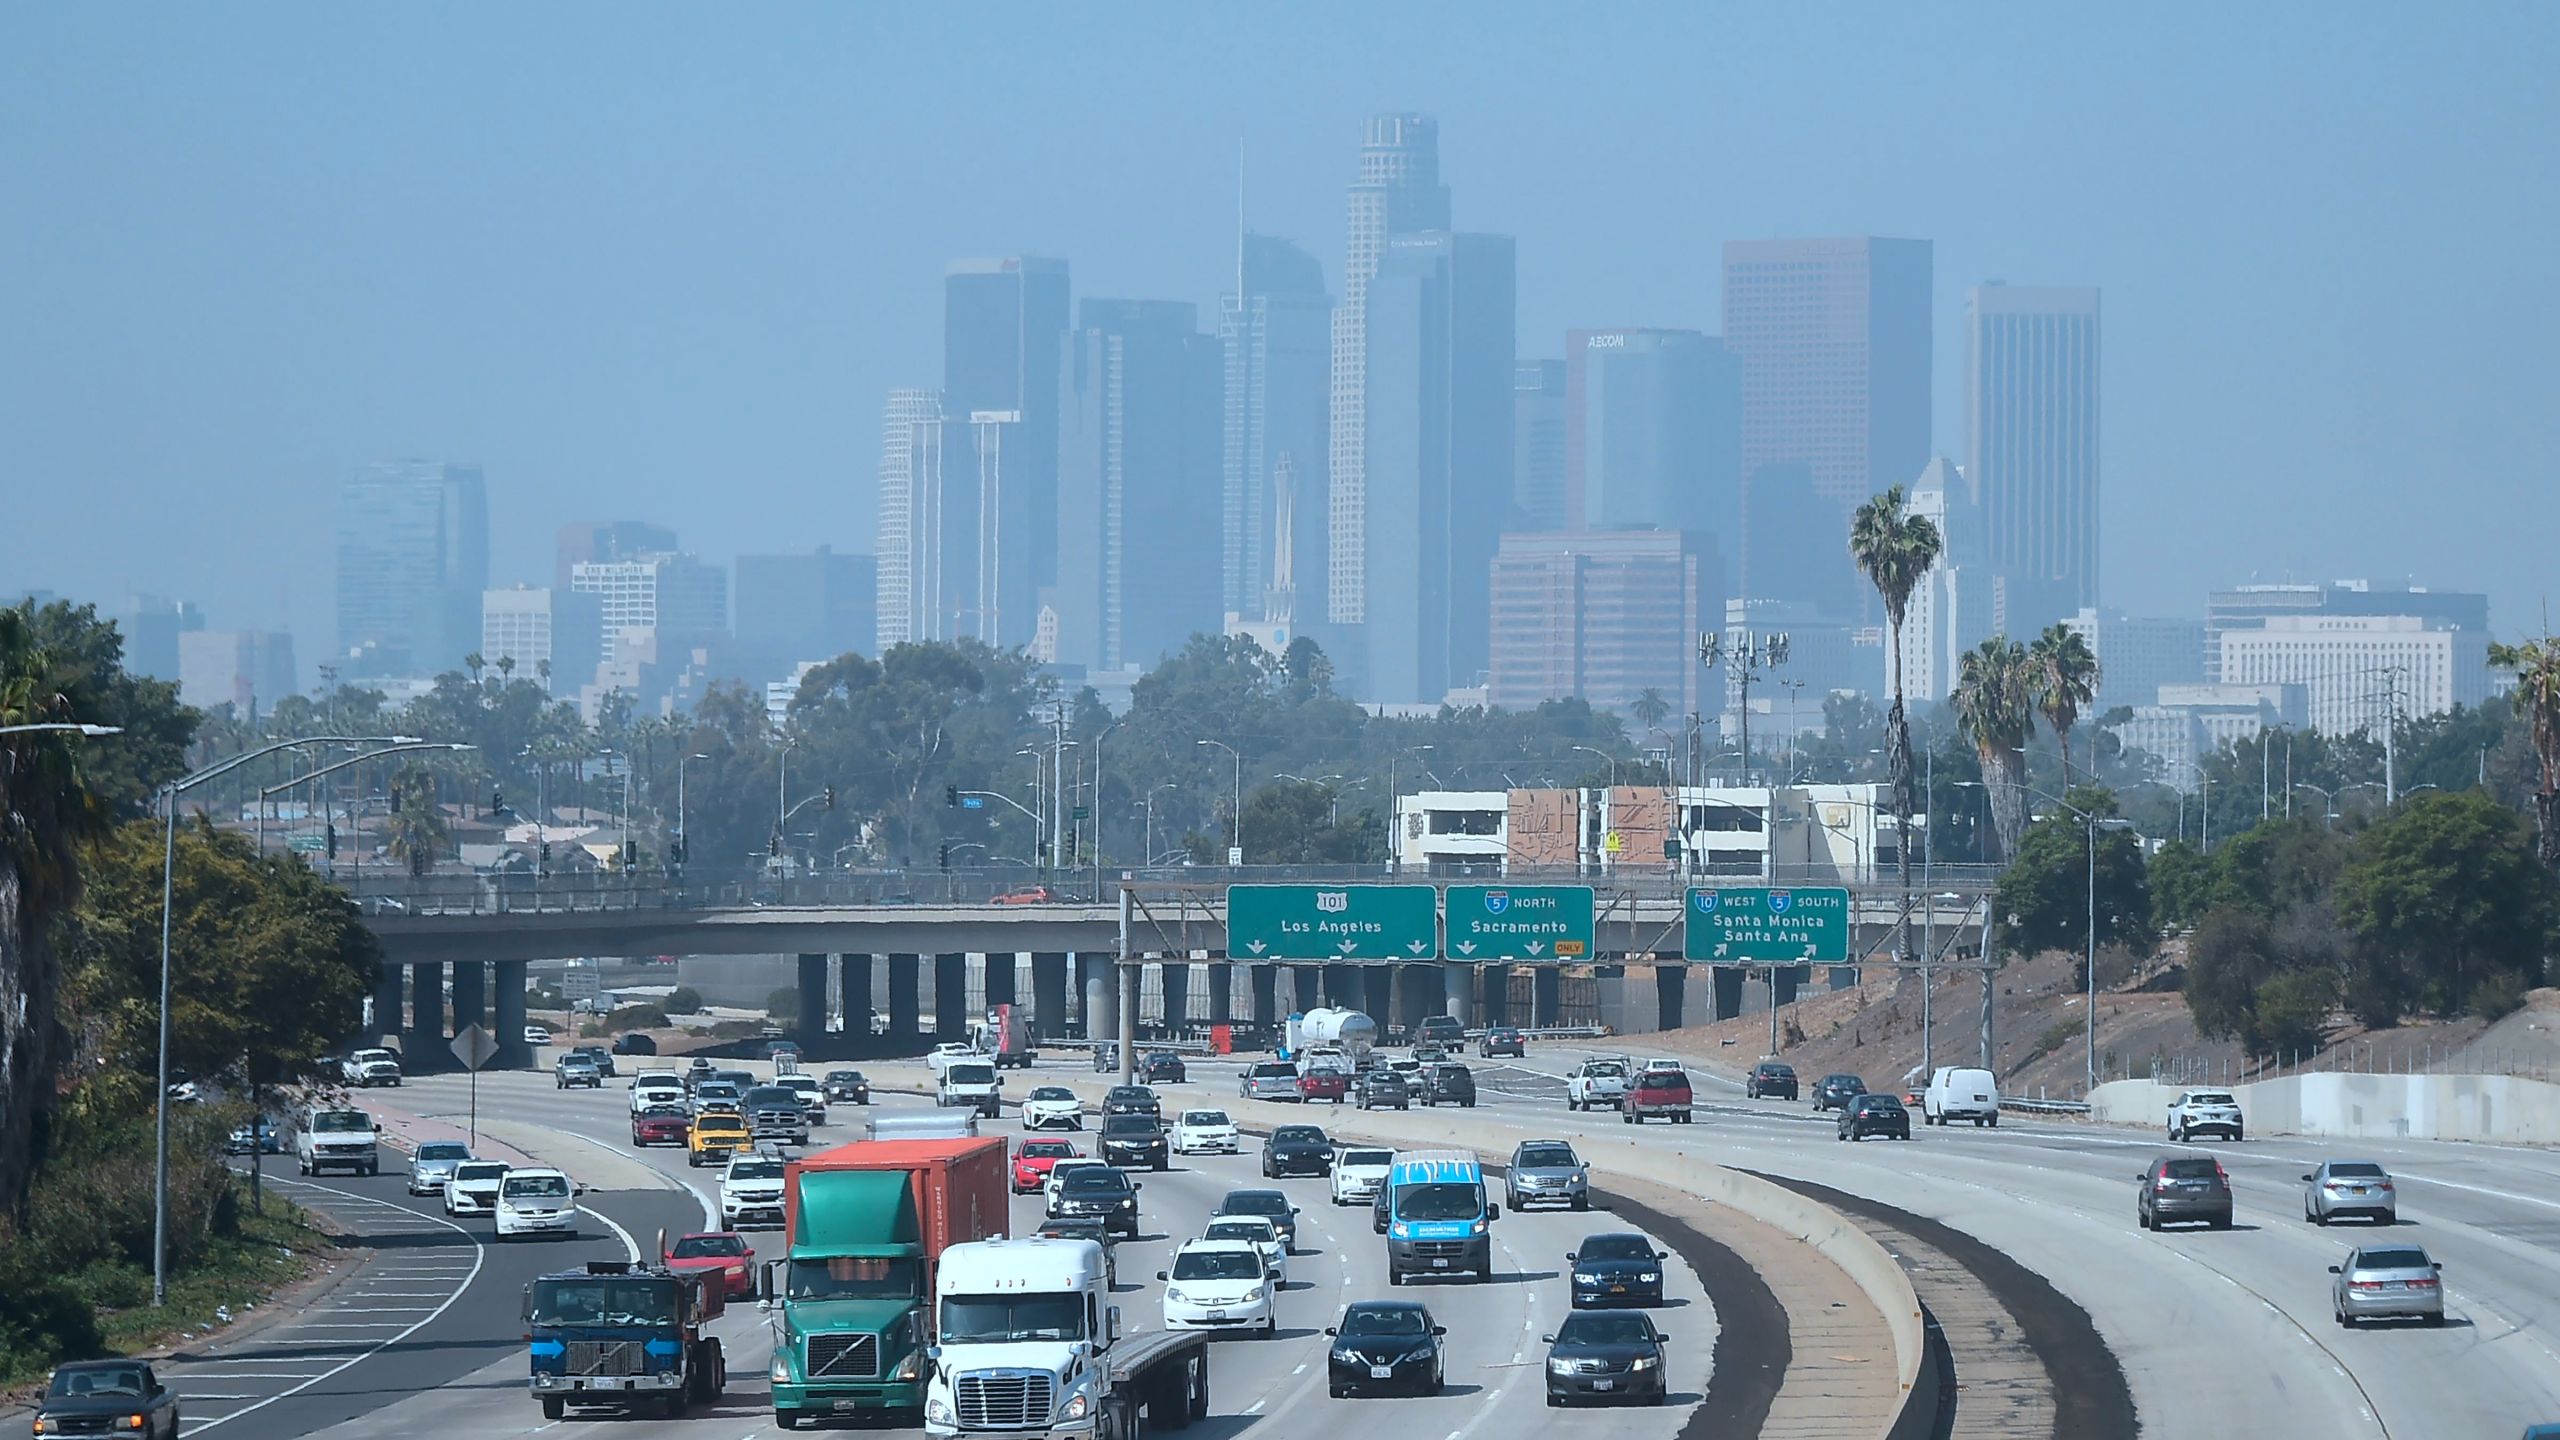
{"x": 624, "y": 1336}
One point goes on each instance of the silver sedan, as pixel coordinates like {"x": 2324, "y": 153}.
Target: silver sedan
{"x": 2349, "y": 1187}
{"x": 434, "y": 1164}
{"x": 2383, "y": 1281}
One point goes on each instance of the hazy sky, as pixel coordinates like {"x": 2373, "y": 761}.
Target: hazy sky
{"x": 663, "y": 263}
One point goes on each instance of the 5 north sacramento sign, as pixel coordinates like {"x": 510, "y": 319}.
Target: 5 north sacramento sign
{"x": 1749, "y": 925}
{"x": 1519, "y": 922}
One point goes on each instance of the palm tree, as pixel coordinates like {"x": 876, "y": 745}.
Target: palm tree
{"x": 1994, "y": 701}
{"x": 1895, "y": 549}
{"x": 475, "y": 664}
{"x": 47, "y": 812}
{"x": 416, "y": 825}
{"x": 1649, "y": 707}
{"x": 506, "y": 669}
{"x": 2537, "y": 667}
{"x": 2066, "y": 681}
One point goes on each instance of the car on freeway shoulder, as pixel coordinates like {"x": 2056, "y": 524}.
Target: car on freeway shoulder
{"x": 1205, "y": 1132}
{"x": 1269, "y": 1080}
{"x": 434, "y": 1163}
{"x": 1359, "y": 1171}
{"x": 1050, "y": 1106}
{"x": 1873, "y": 1115}
{"x": 101, "y": 1397}
{"x": 1296, "y": 1150}
{"x": 2340, "y": 1188}
{"x": 1547, "y": 1172}
{"x": 473, "y": 1190}
{"x": 2205, "y": 1112}
{"x": 1220, "y": 1285}
{"x": 661, "y": 1124}
{"x": 1617, "y": 1268}
{"x": 1384, "y": 1345}
{"x": 1502, "y": 1040}
{"x": 722, "y": 1252}
{"x": 1259, "y": 1232}
{"x": 2182, "y": 1188}
{"x": 1607, "y": 1357}
{"x": 2385, "y": 1282}
{"x": 850, "y": 1086}
{"x": 1771, "y": 1078}
{"x": 1034, "y": 1159}
{"x": 1835, "y": 1091}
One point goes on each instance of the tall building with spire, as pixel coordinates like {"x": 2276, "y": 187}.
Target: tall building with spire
{"x": 1274, "y": 335}
{"x": 1398, "y": 192}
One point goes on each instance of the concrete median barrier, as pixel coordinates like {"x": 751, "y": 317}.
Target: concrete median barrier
{"x": 2500, "y": 1109}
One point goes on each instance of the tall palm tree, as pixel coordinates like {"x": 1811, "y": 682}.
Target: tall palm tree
{"x": 416, "y": 825}
{"x": 1994, "y": 701}
{"x": 47, "y": 812}
{"x": 1895, "y": 549}
{"x": 2066, "y": 682}
{"x": 1649, "y": 707}
{"x": 2537, "y": 667}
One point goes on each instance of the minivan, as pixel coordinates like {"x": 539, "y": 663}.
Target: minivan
{"x": 1958, "y": 1093}
{"x": 1438, "y": 1219}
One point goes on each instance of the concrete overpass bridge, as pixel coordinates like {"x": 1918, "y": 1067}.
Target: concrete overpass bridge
{"x": 850, "y": 932}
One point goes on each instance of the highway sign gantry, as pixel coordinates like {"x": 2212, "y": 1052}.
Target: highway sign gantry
{"x": 1333, "y": 922}
{"x": 1753, "y": 925}
{"x": 1519, "y": 922}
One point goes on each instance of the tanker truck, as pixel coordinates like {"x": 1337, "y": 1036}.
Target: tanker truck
{"x": 1340, "y": 1037}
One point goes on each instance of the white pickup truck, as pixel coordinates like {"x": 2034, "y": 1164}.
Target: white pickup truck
{"x": 368, "y": 1068}
{"x": 1031, "y": 1343}
{"x": 1596, "y": 1085}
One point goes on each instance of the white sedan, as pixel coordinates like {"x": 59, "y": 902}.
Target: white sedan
{"x": 1220, "y": 1285}
{"x": 1358, "y": 1171}
{"x": 1205, "y": 1132}
{"x": 1050, "y": 1107}
{"x": 472, "y": 1189}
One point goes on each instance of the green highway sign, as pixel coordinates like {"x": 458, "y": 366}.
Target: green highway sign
{"x": 1333, "y": 922}
{"x": 1739, "y": 925}
{"x": 1519, "y": 922}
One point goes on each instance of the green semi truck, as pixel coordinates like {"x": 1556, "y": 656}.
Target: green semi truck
{"x": 865, "y": 1227}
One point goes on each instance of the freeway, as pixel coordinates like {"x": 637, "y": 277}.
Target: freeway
{"x": 1272, "y": 1387}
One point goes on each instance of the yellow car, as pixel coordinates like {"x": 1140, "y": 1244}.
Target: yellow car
{"x": 715, "y": 1137}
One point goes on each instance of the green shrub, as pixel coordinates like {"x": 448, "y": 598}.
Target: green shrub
{"x": 784, "y": 1004}
{"x": 2499, "y": 996}
{"x": 636, "y": 1017}
{"x": 47, "y": 1319}
{"x": 684, "y": 1000}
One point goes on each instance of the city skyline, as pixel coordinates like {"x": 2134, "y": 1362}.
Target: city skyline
{"x": 2212, "y": 489}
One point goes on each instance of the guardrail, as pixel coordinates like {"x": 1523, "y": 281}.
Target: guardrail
{"x": 2038, "y": 1105}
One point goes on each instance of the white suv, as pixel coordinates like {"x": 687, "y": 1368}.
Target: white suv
{"x": 2197, "y": 1112}
{"x": 1358, "y": 1172}
{"x": 751, "y": 1191}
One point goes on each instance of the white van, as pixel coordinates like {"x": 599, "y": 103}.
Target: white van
{"x": 1958, "y": 1093}
{"x": 328, "y": 1137}
{"x": 537, "y": 1201}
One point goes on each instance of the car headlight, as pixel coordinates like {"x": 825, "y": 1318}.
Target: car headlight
{"x": 909, "y": 1368}
{"x": 1644, "y": 1362}
{"x": 1415, "y": 1356}
{"x": 1077, "y": 1407}
{"x": 1559, "y": 1367}
{"x": 1253, "y": 1295}
{"x": 1175, "y": 1294}
{"x": 1585, "y": 1277}
{"x": 1649, "y": 1277}
{"x": 1475, "y": 1227}
{"x": 937, "y": 1410}
{"x": 1343, "y": 1356}
{"x": 1400, "y": 1230}
{"x": 780, "y": 1371}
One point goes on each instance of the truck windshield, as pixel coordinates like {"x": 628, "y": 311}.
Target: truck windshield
{"x": 1440, "y": 1201}
{"x": 603, "y": 1301}
{"x": 340, "y": 1122}
{"x": 850, "y": 1277}
{"x": 999, "y": 1319}
{"x": 972, "y": 1074}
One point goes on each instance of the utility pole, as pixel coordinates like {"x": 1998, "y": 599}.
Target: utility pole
{"x": 1747, "y": 655}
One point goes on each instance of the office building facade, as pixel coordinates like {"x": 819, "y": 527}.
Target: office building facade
{"x": 593, "y": 542}
{"x": 911, "y": 603}
{"x": 248, "y": 670}
{"x": 2249, "y": 607}
{"x": 676, "y": 601}
{"x": 2031, "y": 443}
{"x": 1601, "y": 616}
{"x": 413, "y": 557}
{"x": 554, "y": 637}
{"x": 1002, "y": 324}
{"x": 812, "y": 606}
{"x": 2139, "y": 654}
{"x": 2362, "y": 672}
{"x": 1653, "y": 432}
{"x": 1538, "y": 499}
{"x": 1276, "y": 345}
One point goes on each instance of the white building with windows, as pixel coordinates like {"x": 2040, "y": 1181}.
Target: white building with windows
{"x": 2362, "y": 671}
{"x": 677, "y": 598}
{"x": 546, "y": 632}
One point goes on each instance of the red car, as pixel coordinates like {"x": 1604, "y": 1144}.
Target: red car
{"x": 660, "y": 1125}
{"x": 1656, "y": 1095}
{"x": 726, "y": 1251}
{"x": 1324, "y": 1084}
{"x": 1028, "y": 895}
{"x": 1034, "y": 1159}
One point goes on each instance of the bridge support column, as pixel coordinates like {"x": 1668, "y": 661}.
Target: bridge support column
{"x": 1101, "y": 998}
{"x": 1784, "y": 982}
{"x": 470, "y": 995}
{"x": 1176, "y": 984}
{"x": 1670, "y": 993}
{"x": 1222, "y": 993}
{"x": 904, "y": 972}
{"x": 1457, "y": 992}
{"x": 1301, "y": 989}
{"x": 853, "y": 979}
{"x": 507, "y": 977}
{"x": 425, "y": 1048}
{"x": 811, "y": 1029}
{"x": 1495, "y": 982}
{"x": 1343, "y": 987}
{"x": 1049, "y": 994}
{"x": 1546, "y": 995}
{"x": 1265, "y": 983}
{"x": 390, "y": 1005}
{"x": 951, "y": 997}
{"x": 1000, "y": 979}
{"x": 1377, "y": 991}
{"x": 1729, "y": 992}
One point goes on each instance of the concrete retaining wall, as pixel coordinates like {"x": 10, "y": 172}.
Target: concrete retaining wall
{"x": 2500, "y": 1108}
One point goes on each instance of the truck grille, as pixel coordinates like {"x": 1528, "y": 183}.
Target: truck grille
{"x": 844, "y": 1357}
{"x": 1453, "y": 1249}
{"x": 607, "y": 1357}
{"x": 1006, "y": 1399}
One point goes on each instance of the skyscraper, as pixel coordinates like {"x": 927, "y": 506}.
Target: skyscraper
{"x": 1833, "y": 335}
{"x": 1601, "y": 616}
{"x": 555, "y": 637}
{"x": 1001, "y": 323}
{"x": 815, "y": 605}
{"x": 1537, "y": 445}
{"x": 1398, "y": 193}
{"x": 2031, "y": 443}
{"x": 675, "y": 601}
{"x": 413, "y": 557}
{"x": 1653, "y": 432}
{"x": 1440, "y": 365}
{"x": 1138, "y": 500}
{"x": 589, "y": 542}
{"x": 1276, "y": 338}
{"x": 912, "y": 604}
{"x": 248, "y": 670}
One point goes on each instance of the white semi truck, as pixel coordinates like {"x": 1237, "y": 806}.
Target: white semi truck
{"x": 1029, "y": 1344}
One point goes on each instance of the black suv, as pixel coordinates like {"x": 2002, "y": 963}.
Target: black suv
{"x": 1296, "y": 1150}
{"x": 1769, "y": 1078}
{"x": 1448, "y": 1083}
{"x": 1162, "y": 1067}
{"x": 1102, "y": 1193}
{"x": 1834, "y": 1092}
{"x": 1874, "y": 1115}
{"x": 1377, "y": 1089}
{"x": 1134, "y": 1140}
{"x": 1132, "y": 1100}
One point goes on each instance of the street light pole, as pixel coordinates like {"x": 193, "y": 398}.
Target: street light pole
{"x": 681, "y": 762}
{"x": 1236, "y": 854}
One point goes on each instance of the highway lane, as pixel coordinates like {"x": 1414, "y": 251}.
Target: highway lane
{"x": 2211, "y": 1327}
{"x": 1494, "y": 1349}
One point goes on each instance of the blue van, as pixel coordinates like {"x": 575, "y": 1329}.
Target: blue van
{"x": 1438, "y": 1219}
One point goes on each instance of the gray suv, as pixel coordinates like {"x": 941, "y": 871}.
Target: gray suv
{"x": 2177, "y": 1188}
{"x": 1547, "y": 1172}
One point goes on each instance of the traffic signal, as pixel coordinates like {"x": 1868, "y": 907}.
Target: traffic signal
{"x": 395, "y": 799}
{"x": 773, "y": 846}
{"x": 497, "y": 798}
{"x": 951, "y": 796}
{"x": 946, "y": 854}
{"x": 333, "y": 836}
{"x": 546, "y": 852}
{"x": 831, "y": 797}
{"x": 1071, "y": 847}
